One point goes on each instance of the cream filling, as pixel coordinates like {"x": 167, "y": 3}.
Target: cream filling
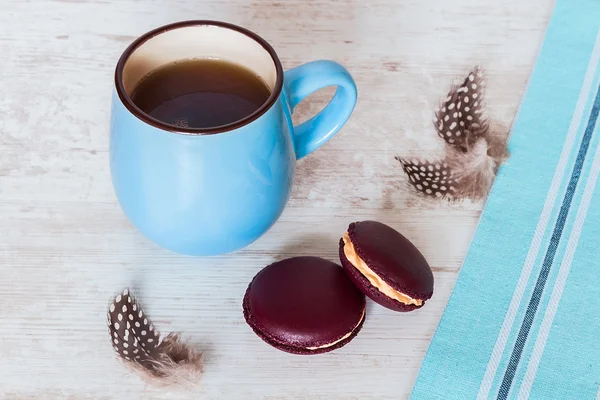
{"x": 346, "y": 336}
{"x": 363, "y": 268}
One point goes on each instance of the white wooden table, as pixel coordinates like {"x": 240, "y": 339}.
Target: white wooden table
{"x": 66, "y": 247}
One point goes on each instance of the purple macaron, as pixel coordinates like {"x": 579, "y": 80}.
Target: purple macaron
{"x": 304, "y": 305}
{"x": 386, "y": 266}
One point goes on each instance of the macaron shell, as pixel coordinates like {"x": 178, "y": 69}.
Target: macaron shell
{"x": 371, "y": 291}
{"x": 393, "y": 258}
{"x": 303, "y": 302}
{"x": 291, "y": 349}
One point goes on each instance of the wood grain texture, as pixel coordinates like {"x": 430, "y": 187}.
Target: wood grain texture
{"x": 66, "y": 247}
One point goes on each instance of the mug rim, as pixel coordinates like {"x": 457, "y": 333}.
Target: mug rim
{"x": 144, "y": 117}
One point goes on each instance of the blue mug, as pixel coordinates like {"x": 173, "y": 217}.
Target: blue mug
{"x": 214, "y": 190}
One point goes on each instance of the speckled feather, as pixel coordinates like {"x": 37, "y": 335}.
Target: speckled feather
{"x": 473, "y": 153}
{"x": 137, "y": 342}
{"x": 133, "y": 336}
{"x": 433, "y": 179}
{"x": 460, "y": 119}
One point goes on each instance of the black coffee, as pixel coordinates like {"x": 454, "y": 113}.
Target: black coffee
{"x": 200, "y": 93}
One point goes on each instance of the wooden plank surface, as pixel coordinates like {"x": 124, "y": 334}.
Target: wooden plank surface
{"x": 66, "y": 247}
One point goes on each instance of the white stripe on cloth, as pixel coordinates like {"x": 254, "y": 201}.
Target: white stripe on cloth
{"x": 561, "y": 279}
{"x": 509, "y": 318}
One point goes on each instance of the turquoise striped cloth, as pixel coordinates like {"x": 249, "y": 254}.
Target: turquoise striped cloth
{"x": 523, "y": 321}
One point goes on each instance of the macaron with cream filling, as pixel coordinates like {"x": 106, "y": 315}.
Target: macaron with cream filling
{"x": 386, "y": 266}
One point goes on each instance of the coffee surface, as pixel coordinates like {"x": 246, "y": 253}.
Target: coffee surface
{"x": 200, "y": 93}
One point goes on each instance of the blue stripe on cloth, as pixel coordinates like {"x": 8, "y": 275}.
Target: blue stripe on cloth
{"x": 575, "y": 330}
{"x": 586, "y": 112}
{"x": 529, "y": 365}
{"x": 460, "y": 350}
{"x": 539, "y": 331}
{"x": 550, "y": 254}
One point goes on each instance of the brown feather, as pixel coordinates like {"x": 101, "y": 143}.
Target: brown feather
{"x": 474, "y": 170}
{"x": 460, "y": 119}
{"x": 434, "y": 179}
{"x": 139, "y": 345}
{"x": 497, "y": 138}
{"x": 474, "y": 152}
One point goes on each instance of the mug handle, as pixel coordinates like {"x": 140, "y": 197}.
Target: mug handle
{"x": 305, "y": 79}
